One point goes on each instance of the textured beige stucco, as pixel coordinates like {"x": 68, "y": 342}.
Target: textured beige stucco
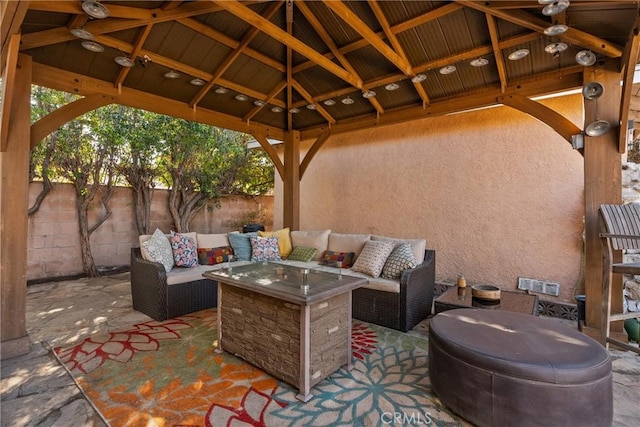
{"x": 497, "y": 194}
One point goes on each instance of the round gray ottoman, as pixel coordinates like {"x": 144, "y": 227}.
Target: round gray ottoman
{"x": 498, "y": 368}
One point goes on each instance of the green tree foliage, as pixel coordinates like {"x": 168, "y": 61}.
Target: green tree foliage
{"x": 117, "y": 145}
{"x": 200, "y": 163}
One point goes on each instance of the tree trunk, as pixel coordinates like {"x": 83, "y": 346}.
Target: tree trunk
{"x": 88, "y": 262}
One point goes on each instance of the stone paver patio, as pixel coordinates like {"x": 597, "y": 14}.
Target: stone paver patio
{"x": 37, "y": 391}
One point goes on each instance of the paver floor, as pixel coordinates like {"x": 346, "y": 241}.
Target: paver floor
{"x": 37, "y": 391}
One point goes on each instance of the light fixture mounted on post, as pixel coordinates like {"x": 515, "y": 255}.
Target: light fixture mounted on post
{"x": 592, "y": 91}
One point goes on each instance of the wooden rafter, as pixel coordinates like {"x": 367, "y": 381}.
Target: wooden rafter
{"x": 97, "y": 27}
{"x": 396, "y": 29}
{"x": 326, "y": 38}
{"x": 528, "y": 20}
{"x": 363, "y": 29}
{"x": 230, "y": 59}
{"x": 307, "y": 96}
{"x": 135, "y": 53}
{"x": 630, "y": 56}
{"x": 252, "y": 18}
{"x": 269, "y": 99}
{"x": 497, "y": 53}
{"x": 382, "y": 19}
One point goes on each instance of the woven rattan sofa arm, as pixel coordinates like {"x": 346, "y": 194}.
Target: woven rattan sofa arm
{"x": 416, "y": 291}
{"x": 148, "y": 286}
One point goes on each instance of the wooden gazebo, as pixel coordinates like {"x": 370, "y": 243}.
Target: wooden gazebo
{"x": 287, "y": 69}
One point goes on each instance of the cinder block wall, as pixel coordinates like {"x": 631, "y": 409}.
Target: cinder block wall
{"x": 54, "y": 240}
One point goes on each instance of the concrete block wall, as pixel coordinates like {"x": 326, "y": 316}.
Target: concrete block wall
{"x": 54, "y": 241}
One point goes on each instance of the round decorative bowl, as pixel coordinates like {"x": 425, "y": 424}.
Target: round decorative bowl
{"x": 486, "y": 292}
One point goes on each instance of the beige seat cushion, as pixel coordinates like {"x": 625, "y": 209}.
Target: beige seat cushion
{"x": 311, "y": 239}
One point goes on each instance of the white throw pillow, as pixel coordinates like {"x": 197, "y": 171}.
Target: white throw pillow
{"x": 158, "y": 249}
{"x": 372, "y": 257}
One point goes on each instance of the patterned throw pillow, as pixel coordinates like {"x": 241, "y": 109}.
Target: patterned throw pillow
{"x": 372, "y": 257}
{"x": 185, "y": 252}
{"x": 400, "y": 259}
{"x": 241, "y": 245}
{"x": 264, "y": 249}
{"x": 213, "y": 256}
{"x": 302, "y": 253}
{"x": 284, "y": 240}
{"x": 331, "y": 258}
{"x": 158, "y": 249}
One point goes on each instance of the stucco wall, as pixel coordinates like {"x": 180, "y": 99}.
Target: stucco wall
{"x": 54, "y": 242}
{"x": 496, "y": 193}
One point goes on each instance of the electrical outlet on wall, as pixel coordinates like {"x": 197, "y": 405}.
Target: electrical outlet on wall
{"x": 539, "y": 286}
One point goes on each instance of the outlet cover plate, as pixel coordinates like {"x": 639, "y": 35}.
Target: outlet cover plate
{"x": 539, "y": 286}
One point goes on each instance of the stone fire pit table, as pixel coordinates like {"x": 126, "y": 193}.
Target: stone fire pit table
{"x": 299, "y": 334}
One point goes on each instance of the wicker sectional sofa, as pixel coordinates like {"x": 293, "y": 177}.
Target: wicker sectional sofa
{"x": 395, "y": 303}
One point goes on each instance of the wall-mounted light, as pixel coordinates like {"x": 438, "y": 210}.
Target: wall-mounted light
{"x": 593, "y": 91}
{"x": 577, "y": 141}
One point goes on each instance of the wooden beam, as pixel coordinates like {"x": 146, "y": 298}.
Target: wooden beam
{"x": 307, "y": 96}
{"x": 531, "y": 21}
{"x": 382, "y": 19}
{"x": 552, "y": 83}
{"x": 556, "y": 121}
{"x": 142, "y": 37}
{"x": 315, "y": 147}
{"x": 291, "y": 186}
{"x": 629, "y": 61}
{"x": 207, "y": 31}
{"x": 271, "y": 152}
{"x": 57, "y": 118}
{"x": 12, "y": 14}
{"x": 104, "y": 26}
{"x": 75, "y": 7}
{"x": 79, "y": 84}
{"x": 178, "y": 66}
{"x": 497, "y": 53}
{"x": 14, "y": 203}
{"x": 602, "y": 184}
{"x": 6, "y": 99}
{"x": 267, "y": 100}
{"x": 326, "y": 38}
{"x": 252, "y": 18}
{"x": 230, "y": 59}
{"x": 350, "y": 18}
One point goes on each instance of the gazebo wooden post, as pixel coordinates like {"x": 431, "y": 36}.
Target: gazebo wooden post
{"x": 291, "y": 196}
{"x": 14, "y": 202}
{"x": 602, "y": 183}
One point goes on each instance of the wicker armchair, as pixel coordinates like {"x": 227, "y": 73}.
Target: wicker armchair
{"x": 153, "y": 297}
{"x": 404, "y": 310}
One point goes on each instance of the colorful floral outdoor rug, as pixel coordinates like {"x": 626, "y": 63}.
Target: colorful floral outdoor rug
{"x": 167, "y": 374}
